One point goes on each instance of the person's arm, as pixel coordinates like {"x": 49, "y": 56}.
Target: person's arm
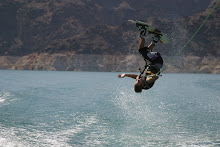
{"x": 133, "y": 76}
{"x": 152, "y": 78}
{"x": 155, "y": 77}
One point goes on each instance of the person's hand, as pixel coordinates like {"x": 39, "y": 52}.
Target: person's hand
{"x": 154, "y": 76}
{"x": 121, "y": 75}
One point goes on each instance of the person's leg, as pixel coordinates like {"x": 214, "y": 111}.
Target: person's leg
{"x": 151, "y": 46}
{"x": 143, "y": 49}
{"x": 155, "y": 38}
{"x": 141, "y": 43}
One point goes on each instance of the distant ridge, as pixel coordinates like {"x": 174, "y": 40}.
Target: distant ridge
{"x": 100, "y": 27}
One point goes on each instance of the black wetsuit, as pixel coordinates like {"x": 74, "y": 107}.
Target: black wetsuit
{"x": 155, "y": 63}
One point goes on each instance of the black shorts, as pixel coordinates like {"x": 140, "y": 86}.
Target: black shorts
{"x": 153, "y": 57}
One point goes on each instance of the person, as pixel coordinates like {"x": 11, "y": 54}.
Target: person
{"x": 154, "y": 63}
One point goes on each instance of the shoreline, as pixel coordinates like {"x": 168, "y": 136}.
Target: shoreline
{"x": 106, "y": 63}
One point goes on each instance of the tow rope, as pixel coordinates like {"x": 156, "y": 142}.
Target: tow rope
{"x": 162, "y": 69}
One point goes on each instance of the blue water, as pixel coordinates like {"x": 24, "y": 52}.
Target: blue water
{"x": 48, "y": 108}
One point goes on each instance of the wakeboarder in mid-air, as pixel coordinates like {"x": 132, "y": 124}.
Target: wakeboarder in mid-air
{"x": 154, "y": 61}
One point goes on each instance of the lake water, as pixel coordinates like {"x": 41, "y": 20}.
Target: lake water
{"x": 50, "y": 108}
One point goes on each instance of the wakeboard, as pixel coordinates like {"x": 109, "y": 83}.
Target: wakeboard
{"x": 142, "y": 26}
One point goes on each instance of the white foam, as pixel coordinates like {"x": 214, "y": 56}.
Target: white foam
{"x": 6, "y": 98}
{"x": 3, "y": 96}
{"x": 33, "y": 137}
{"x": 2, "y": 99}
{"x": 9, "y": 139}
{"x": 91, "y": 138}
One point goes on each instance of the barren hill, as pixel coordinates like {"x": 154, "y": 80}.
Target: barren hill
{"x": 31, "y": 30}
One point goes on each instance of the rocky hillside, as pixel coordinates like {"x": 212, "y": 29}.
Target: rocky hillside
{"x": 60, "y": 35}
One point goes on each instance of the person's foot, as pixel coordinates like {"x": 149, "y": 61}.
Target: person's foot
{"x": 142, "y": 33}
{"x": 142, "y": 30}
{"x": 156, "y": 38}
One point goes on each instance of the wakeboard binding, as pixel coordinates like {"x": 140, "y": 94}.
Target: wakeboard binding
{"x": 145, "y": 29}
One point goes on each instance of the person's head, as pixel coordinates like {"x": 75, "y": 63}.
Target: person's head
{"x": 138, "y": 86}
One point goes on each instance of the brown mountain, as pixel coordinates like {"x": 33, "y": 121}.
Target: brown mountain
{"x": 76, "y": 27}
